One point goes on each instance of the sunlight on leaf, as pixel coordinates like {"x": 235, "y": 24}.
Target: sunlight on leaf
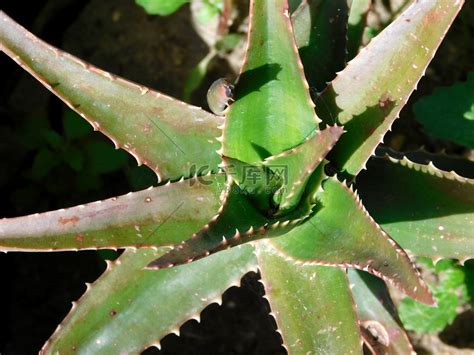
{"x": 161, "y": 7}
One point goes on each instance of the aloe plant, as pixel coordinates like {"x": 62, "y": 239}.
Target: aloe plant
{"x": 259, "y": 197}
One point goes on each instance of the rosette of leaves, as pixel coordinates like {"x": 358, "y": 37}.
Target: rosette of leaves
{"x": 249, "y": 191}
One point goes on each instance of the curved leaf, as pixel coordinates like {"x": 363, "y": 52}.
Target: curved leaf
{"x": 341, "y": 233}
{"x": 428, "y": 211}
{"x": 159, "y": 216}
{"x": 312, "y": 305}
{"x": 299, "y": 163}
{"x": 357, "y": 24}
{"x": 169, "y": 136}
{"x": 129, "y": 308}
{"x": 320, "y": 28}
{"x": 237, "y": 222}
{"x": 367, "y": 96}
{"x": 271, "y": 94}
{"x": 161, "y": 7}
{"x": 377, "y": 315}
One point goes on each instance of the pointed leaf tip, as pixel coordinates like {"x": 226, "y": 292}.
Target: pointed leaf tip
{"x": 367, "y": 96}
{"x": 423, "y": 208}
{"x": 116, "y": 314}
{"x": 167, "y": 135}
{"x": 271, "y": 93}
{"x": 326, "y": 239}
{"x": 159, "y": 216}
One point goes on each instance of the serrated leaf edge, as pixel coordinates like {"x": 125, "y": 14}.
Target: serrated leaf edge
{"x": 367, "y": 266}
{"x": 85, "y": 205}
{"x": 310, "y": 168}
{"x": 429, "y": 169}
{"x": 175, "y": 330}
{"x": 91, "y": 68}
{"x": 403, "y": 100}
{"x": 267, "y": 296}
{"x": 227, "y": 243}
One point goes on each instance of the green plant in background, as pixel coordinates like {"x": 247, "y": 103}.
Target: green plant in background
{"x": 260, "y": 189}
{"x": 451, "y": 294}
{"x": 161, "y": 7}
{"x": 75, "y": 154}
{"x": 212, "y": 20}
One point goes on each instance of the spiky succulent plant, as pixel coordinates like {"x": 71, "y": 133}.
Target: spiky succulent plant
{"x": 260, "y": 196}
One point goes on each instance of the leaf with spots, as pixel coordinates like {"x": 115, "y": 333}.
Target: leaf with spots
{"x": 428, "y": 211}
{"x": 129, "y": 309}
{"x": 367, "y": 96}
{"x": 169, "y": 136}
{"x": 312, "y": 305}
{"x": 163, "y": 215}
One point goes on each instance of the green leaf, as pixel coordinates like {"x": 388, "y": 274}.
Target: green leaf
{"x": 428, "y": 211}
{"x": 74, "y": 126}
{"x": 357, "y": 24}
{"x": 102, "y": 158}
{"x": 228, "y": 43}
{"x": 43, "y": 163}
{"x": 369, "y": 93}
{"x": 320, "y": 28}
{"x": 159, "y": 216}
{"x": 341, "y": 233}
{"x": 298, "y": 164}
{"x": 129, "y": 308}
{"x": 281, "y": 180}
{"x": 239, "y": 221}
{"x": 448, "y": 113}
{"x": 208, "y": 9}
{"x": 293, "y": 4}
{"x": 236, "y": 222}
{"x": 377, "y": 315}
{"x": 312, "y": 305}
{"x": 161, "y": 7}
{"x": 469, "y": 114}
{"x": 271, "y": 94}
{"x": 54, "y": 139}
{"x": 73, "y": 157}
{"x": 196, "y": 76}
{"x": 168, "y": 135}
{"x": 258, "y": 182}
{"x": 423, "y": 319}
{"x": 450, "y": 294}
